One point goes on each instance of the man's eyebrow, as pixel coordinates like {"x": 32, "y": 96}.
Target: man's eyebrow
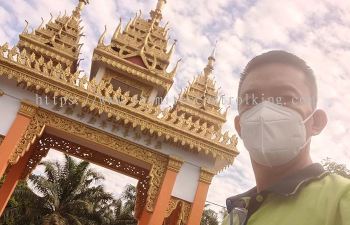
{"x": 252, "y": 90}
{"x": 283, "y": 88}
{"x": 287, "y": 88}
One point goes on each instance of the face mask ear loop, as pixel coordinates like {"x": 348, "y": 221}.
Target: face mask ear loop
{"x": 307, "y": 118}
{"x": 307, "y": 141}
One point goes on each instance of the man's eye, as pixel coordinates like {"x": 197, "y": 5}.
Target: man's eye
{"x": 287, "y": 100}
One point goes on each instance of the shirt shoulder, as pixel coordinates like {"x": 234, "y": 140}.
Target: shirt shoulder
{"x": 335, "y": 182}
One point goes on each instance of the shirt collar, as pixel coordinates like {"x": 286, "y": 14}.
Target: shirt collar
{"x": 287, "y": 186}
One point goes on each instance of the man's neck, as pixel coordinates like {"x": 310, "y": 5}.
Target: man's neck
{"x": 267, "y": 176}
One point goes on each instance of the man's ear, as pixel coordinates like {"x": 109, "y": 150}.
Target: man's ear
{"x": 319, "y": 122}
{"x": 237, "y": 125}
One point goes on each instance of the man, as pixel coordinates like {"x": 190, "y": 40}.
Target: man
{"x": 278, "y": 115}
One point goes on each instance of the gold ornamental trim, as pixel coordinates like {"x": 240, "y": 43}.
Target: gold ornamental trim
{"x": 184, "y": 208}
{"x": 27, "y": 109}
{"x": 174, "y": 164}
{"x": 2, "y": 93}
{"x": 206, "y": 175}
{"x": 58, "y": 54}
{"x": 45, "y": 119}
{"x": 123, "y": 65}
{"x": 171, "y": 126}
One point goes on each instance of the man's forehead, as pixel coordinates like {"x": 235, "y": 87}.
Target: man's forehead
{"x": 274, "y": 76}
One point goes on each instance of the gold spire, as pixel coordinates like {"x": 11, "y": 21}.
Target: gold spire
{"x": 156, "y": 14}
{"x": 141, "y": 46}
{"x": 200, "y": 99}
{"x": 117, "y": 31}
{"x": 211, "y": 60}
{"x": 57, "y": 40}
{"x": 79, "y": 8}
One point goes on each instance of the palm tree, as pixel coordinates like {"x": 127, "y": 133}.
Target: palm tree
{"x": 123, "y": 208}
{"x": 209, "y": 217}
{"x": 22, "y": 208}
{"x": 66, "y": 194}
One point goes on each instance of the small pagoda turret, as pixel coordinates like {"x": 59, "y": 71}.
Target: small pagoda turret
{"x": 200, "y": 102}
{"x": 57, "y": 42}
{"x": 137, "y": 58}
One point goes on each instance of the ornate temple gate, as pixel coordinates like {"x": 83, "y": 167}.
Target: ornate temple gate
{"x": 113, "y": 118}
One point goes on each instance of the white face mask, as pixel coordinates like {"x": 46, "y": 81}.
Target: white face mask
{"x": 273, "y": 134}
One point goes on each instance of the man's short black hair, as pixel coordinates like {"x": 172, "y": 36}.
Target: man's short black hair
{"x": 283, "y": 57}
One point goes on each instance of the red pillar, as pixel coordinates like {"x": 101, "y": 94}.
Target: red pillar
{"x": 11, "y": 140}
{"x": 163, "y": 200}
{"x": 13, "y": 176}
{"x": 200, "y": 197}
{"x": 8, "y": 147}
{"x": 158, "y": 215}
{"x": 145, "y": 217}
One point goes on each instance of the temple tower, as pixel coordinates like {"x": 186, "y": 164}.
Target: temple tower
{"x": 57, "y": 42}
{"x": 200, "y": 102}
{"x": 137, "y": 57}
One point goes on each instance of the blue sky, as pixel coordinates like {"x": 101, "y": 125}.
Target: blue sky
{"x": 316, "y": 30}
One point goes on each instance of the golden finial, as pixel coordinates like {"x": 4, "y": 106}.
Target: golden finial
{"x": 140, "y": 14}
{"x": 41, "y": 25}
{"x": 213, "y": 53}
{"x": 79, "y": 8}
{"x": 160, "y": 4}
{"x": 102, "y": 38}
{"x": 171, "y": 51}
{"x": 211, "y": 59}
{"x": 156, "y": 14}
{"x": 51, "y": 18}
{"x": 173, "y": 73}
{"x": 226, "y": 111}
{"x": 134, "y": 19}
{"x": 128, "y": 25}
{"x": 25, "y": 30}
{"x": 117, "y": 31}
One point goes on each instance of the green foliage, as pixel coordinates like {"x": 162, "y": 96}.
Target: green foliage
{"x": 68, "y": 194}
{"x": 209, "y": 217}
{"x": 123, "y": 209}
{"x": 337, "y": 168}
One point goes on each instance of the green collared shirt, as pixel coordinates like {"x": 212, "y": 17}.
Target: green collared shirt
{"x": 312, "y": 196}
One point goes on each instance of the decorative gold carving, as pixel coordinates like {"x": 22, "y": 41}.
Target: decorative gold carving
{"x": 27, "y": 109}
{"x": 2, "y": 93}
{"x": 104, "y": 55}
{"x": 57, "y": 41}
{"x": 141, "y": 196}
{"x": 201, "y": 100}
{"x": 45, "y": 118}
{"x": 206, "y": 175}
{"x": 46, "y": 142}
{"x": 120, "y": 106}
{"x": 174, "y": 163}
{"x": 178, "y": 208}
{"x": 145, "y": 90}
{"x": 140, "y": 50}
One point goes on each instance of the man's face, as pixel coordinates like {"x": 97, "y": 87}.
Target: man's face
{"x": 281, "y": 84}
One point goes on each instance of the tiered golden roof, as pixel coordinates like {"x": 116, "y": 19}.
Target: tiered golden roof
{"x": 200, "y": 101}
{"x": 138, "y": 56}
{"x": 42, "y": 62}
{"x": 57, "y": 41}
